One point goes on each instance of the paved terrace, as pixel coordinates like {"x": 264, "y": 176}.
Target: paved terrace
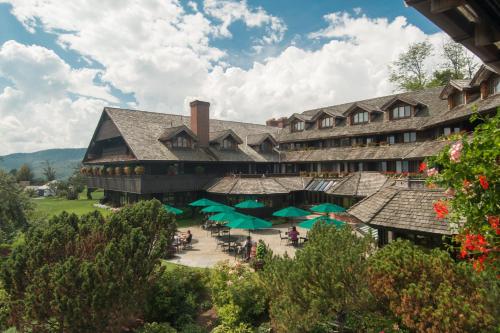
{"x": 205, "y": 253}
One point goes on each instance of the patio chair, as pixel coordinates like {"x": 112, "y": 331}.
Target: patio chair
{"x": 284, "y": 237}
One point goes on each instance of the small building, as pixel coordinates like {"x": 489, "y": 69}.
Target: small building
{"x": 407, "y": 213}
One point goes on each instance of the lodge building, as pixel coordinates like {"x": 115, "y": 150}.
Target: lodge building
{"x": 341, "y": 153}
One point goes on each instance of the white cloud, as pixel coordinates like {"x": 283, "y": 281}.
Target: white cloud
{"x": 49, "y": 104}
{"x": 228, "y": 12}
{"x": 163, "y": 54}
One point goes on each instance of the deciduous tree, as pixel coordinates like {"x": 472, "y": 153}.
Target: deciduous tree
{"x": 409, "y": 72}
{"x": 48, "y": 171}
{"x": 24, "y": 173}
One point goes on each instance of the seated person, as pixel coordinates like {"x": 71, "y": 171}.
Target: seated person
{"x": 188, "y": 238}
{"x": 294, "y": 236}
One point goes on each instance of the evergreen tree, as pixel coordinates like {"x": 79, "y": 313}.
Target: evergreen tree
{"x": 24, "y": 173}
{"x": 87, "y": 274}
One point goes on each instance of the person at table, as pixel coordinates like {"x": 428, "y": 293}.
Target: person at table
{"x": 294, "y": 236}
{"x": 247, "y": 247}
{"x": 188, "y": 238}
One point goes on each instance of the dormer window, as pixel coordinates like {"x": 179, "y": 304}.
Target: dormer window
{"x": 297, "y": 126}
{"x": 401, "y": 111}
{"x": 228, "y": 144}
{"x": 326, "y": 122}
{"x": 495, "y": 86}
{"x": 457, "y": 99}
{"x": 360, "y": 117}
{"x": 181, "y": 142}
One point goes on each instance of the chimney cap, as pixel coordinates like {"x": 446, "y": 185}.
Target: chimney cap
{"x": 198, "y": 102}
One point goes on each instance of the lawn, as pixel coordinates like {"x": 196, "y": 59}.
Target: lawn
{"x": 52, "y": 206}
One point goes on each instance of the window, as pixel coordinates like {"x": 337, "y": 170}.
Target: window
{"x": 326, "y": 122}
{"x": 360, "y": 117}
{"x": 298, "y": 126}
{"x": 495, "y": 86}
{"x": 383, "y": 166}
{"x": 181, "y": 142}
{"x": 391, "y": 139}
{"x": 401, "y": 166}
{"x": 369, "y": 140}
{"x": 402, "y": 111}
{"x": 228, "y": 144}
{"x": 457, "y": 99}
{"x": 410, "y": 137}
{"x": 456, "y": 130}
{"x": 447, "y": 131}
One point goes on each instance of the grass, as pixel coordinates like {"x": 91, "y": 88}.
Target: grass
{"x": 52, "y": 206}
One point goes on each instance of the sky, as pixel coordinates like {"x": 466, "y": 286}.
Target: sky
{"x": 61, "y": 62}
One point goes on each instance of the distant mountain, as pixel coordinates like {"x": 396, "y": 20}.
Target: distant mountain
{"x": 63, "y": 161}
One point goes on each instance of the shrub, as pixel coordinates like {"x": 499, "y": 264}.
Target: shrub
{"x": 240, "y": 328}
{"x": 127, "y": 170}
{"x": 70, "y": 267}
{"x": 176, "y": 296}
{"x": 325, "y": 283}
{"x": 109, "y": 171}
{"x": 157, "y": 328}
{"x": 192, "y": 328}
{"x": 428, "y": 291}
{"x": 237, "y": 294}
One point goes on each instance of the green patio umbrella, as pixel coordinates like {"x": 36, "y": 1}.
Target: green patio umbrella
{"x": 308, "y": 224}
{"x": 225, "y": 216}
{"x": 204, "y": 202}
{"x": 328, "y": 208}
{"x": 249, "y": 223}
{"x": 172, "y": 210}
{"x": 291, "y": 212}
{"x": 248, "y": 204}
{"x": 217, "y": 209}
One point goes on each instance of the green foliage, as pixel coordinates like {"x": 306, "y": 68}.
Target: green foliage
{"x": 4, "y": 309}
{"x": 24, "y": 173}
{"x": 240, "y": 328}
{"x": 237, "y": 294}
{"x": 192, "y": 328}
{"x": 48, "y": 171}
{"x": 408, "y": 72}
{"x": 157, "y": 328}
{"x": 324, "y": 284}
{"x": 86, "y": 274}
{"x": 176, "y": 296}
{"x": 428, "y": 291}
{"x": 470, "y": 168}
{"x": 14, "y": 208}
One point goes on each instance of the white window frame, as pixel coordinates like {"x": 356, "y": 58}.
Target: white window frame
{"x": 409, "y": 137}
{"x": 401, "y": 111}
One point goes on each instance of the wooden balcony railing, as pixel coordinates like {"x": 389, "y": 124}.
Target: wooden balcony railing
{"x": 142, "y": 184}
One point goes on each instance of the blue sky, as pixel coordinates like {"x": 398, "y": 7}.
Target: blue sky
{"x": 61, "y": 62}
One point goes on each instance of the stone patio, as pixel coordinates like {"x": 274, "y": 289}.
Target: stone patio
{"x": 204, "y": 251}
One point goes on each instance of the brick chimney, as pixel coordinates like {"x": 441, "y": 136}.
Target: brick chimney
{"x": 200, "y": 121}
{"x": 280, "y": 122}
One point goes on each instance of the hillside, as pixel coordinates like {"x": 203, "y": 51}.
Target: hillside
{"x": 63, "y": 160}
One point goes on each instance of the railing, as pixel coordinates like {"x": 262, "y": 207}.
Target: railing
{"x": 142, "y": 184}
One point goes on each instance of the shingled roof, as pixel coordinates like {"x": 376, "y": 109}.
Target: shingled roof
{"x": 402, "y": 208}
{"x": 258, "y": 185}
{"x": 359, "y": 184}
{"x": 141, "y": 131}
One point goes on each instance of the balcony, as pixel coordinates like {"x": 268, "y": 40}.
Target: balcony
{"x": 142, "y": 184}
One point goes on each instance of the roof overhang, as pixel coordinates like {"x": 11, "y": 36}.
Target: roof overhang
{"x": 451, "y": 87}
{"x": 401, "y": 99}
{"x": 172, "y": 132}
{"x": 224, "y": 135}
{"x": 474, "y": 24}
{"x": 362, "y": 106}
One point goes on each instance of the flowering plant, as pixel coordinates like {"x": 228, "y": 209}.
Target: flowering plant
{"x": 470, "y": 171}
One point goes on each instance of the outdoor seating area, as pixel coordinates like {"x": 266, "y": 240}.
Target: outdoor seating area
{"x": 226, "y": 233}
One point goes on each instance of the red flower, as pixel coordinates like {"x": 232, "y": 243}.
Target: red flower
{"x": 484, "y": 182}
{"x": 441, "y": 209}
{"x": 466, "y": 184}
{"x": 476, "y": 243}
{"x": 494, "y": 221}
{"x": 422, "y": 167}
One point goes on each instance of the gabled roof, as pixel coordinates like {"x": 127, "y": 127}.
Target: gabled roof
{"x": 326, "y": 112}
{"x": 220, "y": 136}
{"x": 359, "y": 184}
{"x": 483, "y": 73}
{"x": 453, "y": 85}
{"x": 363, "y": 106}
{"x": 258, "y": 139}
{"x": 403, "y": 99}
{"x": 172, "y": 132}
{"x": 300, "y": 116}
{"x": 402, "y": 208}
